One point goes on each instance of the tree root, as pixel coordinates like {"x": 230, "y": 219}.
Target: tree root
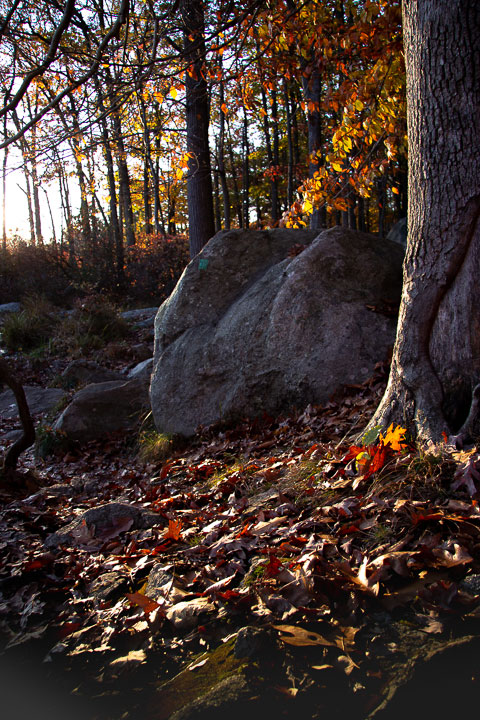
{"x": 9, "y": 464}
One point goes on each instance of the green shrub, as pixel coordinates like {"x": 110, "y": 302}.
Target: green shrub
{"x": 31, "y": 328}
{"x": 50, "y": 442}
{"x": 94, "y": 322}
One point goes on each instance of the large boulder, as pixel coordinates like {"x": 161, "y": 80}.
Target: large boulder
{"x": 259, "y": 323}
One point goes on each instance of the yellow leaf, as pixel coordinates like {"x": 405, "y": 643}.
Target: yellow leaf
{"x": 173, "y": 92}
{"x": 337, "y": 167}
{"x": 307, "y": 207}
{"x": 179, "y": 174}
{"x": 396, "y": 191}
{"x": 358, "y": 105}
{"x": 394, "y": 437}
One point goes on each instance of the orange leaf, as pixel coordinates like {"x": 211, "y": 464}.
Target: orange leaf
{"x": 143, "y": 601}
{"x": 394, "y": 437}
{"x": 174, "y": 530}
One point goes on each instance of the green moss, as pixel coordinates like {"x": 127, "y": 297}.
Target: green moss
{"x": 193, "y": 682}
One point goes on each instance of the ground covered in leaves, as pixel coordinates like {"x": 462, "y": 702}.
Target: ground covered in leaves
{"x": 280, "y": 565}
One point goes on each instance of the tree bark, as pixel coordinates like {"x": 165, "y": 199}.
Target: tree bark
{"x": 201, "y": 224}
{"x": 221, "y": 160}
{"x": 436, "y": 359}
{"x": 312, "y": 88}
{"x": 246, "y": 171}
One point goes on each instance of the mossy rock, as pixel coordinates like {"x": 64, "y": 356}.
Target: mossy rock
{"x": 200, "y": 677}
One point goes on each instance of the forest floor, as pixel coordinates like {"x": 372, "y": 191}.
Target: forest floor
{"x": 354, "y": 565}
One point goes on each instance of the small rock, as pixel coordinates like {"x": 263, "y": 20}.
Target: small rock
{"x": 108, "y": 586}
{"x": 162, "y": 583}
{"x": 39, "y": 400}
{"x": 471, "y": 584}
{"x": 102, "y": 408}
{"x": 255, "y": 643}
{"x": 186, "y": 615}
{"x": 11, "y": 307}
{"x": 101, "y": 523}
{"x": 142, "y": 371}
{"x": 85, "y": 372}
{"x": 137, "y": 316}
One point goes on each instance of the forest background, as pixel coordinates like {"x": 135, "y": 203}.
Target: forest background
{"x": 170, "y": 120}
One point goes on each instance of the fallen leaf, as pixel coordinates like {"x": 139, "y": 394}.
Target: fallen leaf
{"x": 174, "y": 530}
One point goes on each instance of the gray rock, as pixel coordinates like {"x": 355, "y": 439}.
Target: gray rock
{"x": 40, "y": 400}
{"x": 256, "y": 643}
{"x": 86, "y": 372}
{"x": 142, "y": 371}
{"x": 471, "y": 584}
{"x": 11, "y": 307}
{"x": 398, "y": 233}
{"x": 185, "y": 616}
{"x": 250, "y": 329}
{"x": 97, "y": 524}
{"x": 163, "y": 583}
{"x": 105, "y": 407}
{"x": 138, "y": 316}
{"x": 109, "y": 586}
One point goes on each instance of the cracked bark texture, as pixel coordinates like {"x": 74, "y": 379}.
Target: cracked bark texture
{"x": 436, "y": 359}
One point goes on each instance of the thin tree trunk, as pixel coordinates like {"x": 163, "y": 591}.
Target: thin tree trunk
{"x": 124, "y": 180}
{"x": 54, "y": 236}
{"x": 221, "y": 161}
{"x": 233, "y": 170}
{"x": 246, "y": 171}
{"x": 290, "y": 159}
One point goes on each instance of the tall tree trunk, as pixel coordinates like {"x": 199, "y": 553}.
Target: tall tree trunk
{"x": 221, "y": 161}
{"x": 290, "y": 160}
{"x": 246, "y": 171}
{"x": 28, "y": 192}
{"x": 201, "y": 224}
{"x": 54, "y": 235}
{"x": 4, "y": 197}
{"x": 216, "y": 195}
{"x": 233, "y": 170}
{"x": 269, "y": 150}
{"x": 124, "y": 180}
{"x": 114, "y": 229}
{"x": 65, "y": 195}
{"x": 82, "y": 183}
{"x": 147, "y": 165}
{"x": 312, "y": 88}
{"x": 436, "y": 362}
{"x": 36, "y": 203}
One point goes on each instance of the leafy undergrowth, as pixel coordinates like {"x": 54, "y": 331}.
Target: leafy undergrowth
{"x": 286, "y": 523}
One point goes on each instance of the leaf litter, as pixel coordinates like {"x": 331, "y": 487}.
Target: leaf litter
{"x": 289, "y": 523}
